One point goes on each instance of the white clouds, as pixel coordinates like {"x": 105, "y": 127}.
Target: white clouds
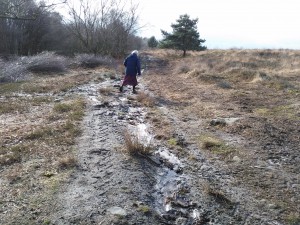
{"x": 230, "y": 23}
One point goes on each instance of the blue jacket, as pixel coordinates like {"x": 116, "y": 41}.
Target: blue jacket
{"x": 133, "y": 65}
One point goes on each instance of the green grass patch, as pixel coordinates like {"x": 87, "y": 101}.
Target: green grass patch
{"x": 10, "y": 107}
{"x": 216, "y": 145}
{"x": 40, "y": 133}
{"x": 66, "y": 87}
{"x": 283, "y": 111}
{"x": 38, "y": 101}
{"x": 7, "y": 88}
{"x": 144, "y": 209}
{"x": 75, "y": 108}
{"x": 293, "y": 219}
{"x": 172, "y": 141}
{"x": 62, "y": 108}
{"x": 281, "y": 85}
{"x": 31, "y": 88}
{"x": 13, "y": 154}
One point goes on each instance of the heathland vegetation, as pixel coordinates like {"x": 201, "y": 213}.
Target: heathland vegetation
{"x": 226, "y": 121}
{"x": 233, "y": 110}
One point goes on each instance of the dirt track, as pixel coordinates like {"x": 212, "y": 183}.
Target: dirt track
{"x": 176, "y": 184}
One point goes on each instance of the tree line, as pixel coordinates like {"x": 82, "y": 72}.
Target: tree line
{"x": 106, "y": 27}
{"x": 101, "y": 27}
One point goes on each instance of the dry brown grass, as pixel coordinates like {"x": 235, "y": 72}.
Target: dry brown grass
{"x": 145, "y": 99}
{"x": 37, "y": 136}
{"x": 106, "y": 90}
{"x": 261, "y": 87}
{"x": 67, "y": 162}
{"x": 217, "y": 194}
{"x": 134, "y": 146}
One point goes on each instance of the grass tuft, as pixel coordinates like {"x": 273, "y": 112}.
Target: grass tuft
{"x": 106, "y": 91}
{"x": 7, "y": 88}
{"x": 216, "y": 145}
{"x": 134, "y": 146}
{"x": 10, "y": 107}
{"x": 10, "y": 158}
{"x": 41, "y": 133}
{"x": 218, "y": 195}
{"x": 62, "y": 107}
{"x": 293, "y": 219}
{"x": 144, "y": 209}
{"x": 67, "y": 162}
{"x": 146, "y": 99}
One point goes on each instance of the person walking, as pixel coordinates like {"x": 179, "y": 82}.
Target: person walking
{"x": 133, "y": 68}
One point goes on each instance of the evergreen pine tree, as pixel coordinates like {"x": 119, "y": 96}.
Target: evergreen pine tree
{"x": 184, "y": 36}
{"x": 152, "y": 42}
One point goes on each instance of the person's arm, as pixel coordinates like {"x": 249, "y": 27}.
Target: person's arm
{"x": 138, "y": 66}
{"x": 125, "y": 62}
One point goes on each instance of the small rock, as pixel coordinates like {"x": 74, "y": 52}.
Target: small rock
{"x": 236, "y": 159}
{"x": 117, "y": 211}
{"x": 181, "y": 221}
{"x": 230, "y": 121}
{"x": 223, "y": 121}
{"x": 263, "y": 201}
{"x": 181, "y": 203}
{"x": 216, "y": 122}
{"x": 272, "y": 206}
{"x": 58, "y": 100}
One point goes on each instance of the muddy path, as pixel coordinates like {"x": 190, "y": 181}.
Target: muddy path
{"x": 165, "y": 187}
{"x": 109, "y": 186}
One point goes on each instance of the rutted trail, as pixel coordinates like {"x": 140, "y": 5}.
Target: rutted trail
{"x": 107, "y": 180}
{"x": 110, "y": 187}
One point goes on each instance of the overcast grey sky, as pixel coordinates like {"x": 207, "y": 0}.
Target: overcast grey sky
{"x": 229, "y": 23}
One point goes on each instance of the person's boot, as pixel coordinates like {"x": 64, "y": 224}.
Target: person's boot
{"x": 133, "y": 90}
{"x": 121, "y": 88}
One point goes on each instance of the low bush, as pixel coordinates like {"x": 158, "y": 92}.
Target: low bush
{"x": 46, "y": 62}
{"x": 92, "y": 61}
{"x": 12, "y": 71}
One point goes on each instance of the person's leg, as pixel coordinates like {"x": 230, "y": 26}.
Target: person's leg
{"x": 121, "y": 88}
{"x": 133, "y": 89}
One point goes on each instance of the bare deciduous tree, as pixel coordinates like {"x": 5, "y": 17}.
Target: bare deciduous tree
{"x": 30, "y": 36}
{"x": 19, "y": 9}
{"x": 103, "y": 27}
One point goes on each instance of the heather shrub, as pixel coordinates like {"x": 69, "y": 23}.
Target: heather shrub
{"x": 46, "y": 62}
{"x": 12, "y": 71}
{"x": 92, "y": 61}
